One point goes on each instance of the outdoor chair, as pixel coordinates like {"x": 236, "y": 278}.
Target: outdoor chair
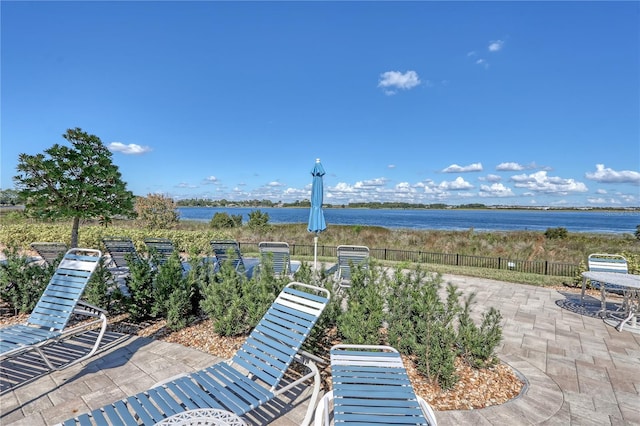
{"x": 47, "y": 323}
{"x": 350, "y": 257}
{"x": 119, "y": 249}
{"x": 50, "y": 252}
{"x": 253, "y": 377}
{"x": 603, "y": 262}
{"x": 277, "y": 254}
{"x": 228, "y": 251}
{"x": 160, "y": 249}
{"x": 370, "y": 386}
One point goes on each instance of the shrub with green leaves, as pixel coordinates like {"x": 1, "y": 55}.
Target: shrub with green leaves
{"x": 559, "y": 233}
{"x": 22, "y": 280}
{"x": 258, "y": 220}
{"x": 222, "y": 220}
{"x": 477, "y": 344}
{"x": 140, "y": 283}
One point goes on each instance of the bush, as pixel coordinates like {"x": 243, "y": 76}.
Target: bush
{"x": 22, "y": 281}
{"x": 556, "y": 233}
{"x": 222, "y": 220}
{"x": 258, "y": 220}
{"x": 156, "y": 211}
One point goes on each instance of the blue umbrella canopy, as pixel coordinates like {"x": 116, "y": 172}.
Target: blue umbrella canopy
{"x": 316, "y": 216}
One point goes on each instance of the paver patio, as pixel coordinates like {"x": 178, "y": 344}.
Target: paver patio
{"x": 579, "y": 370}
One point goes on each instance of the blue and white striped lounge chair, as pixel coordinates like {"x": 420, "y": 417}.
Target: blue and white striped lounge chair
{"x": 60, "y": 301}
{"x": 277, "y": 253}
{"x": 228, "y": 251}
{"x": 348, "y": 258}
{"x": 253, "y": 377}
{"x": 370, "y": 386}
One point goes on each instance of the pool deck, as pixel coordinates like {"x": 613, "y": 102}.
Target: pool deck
{"x": 579, "y": 370}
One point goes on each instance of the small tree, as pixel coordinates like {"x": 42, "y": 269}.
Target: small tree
{"x": 222, "y": 220}
{"x": 77, "y": 182}
{"x": 155, "y": 211}
{"x": 258, "y": 220}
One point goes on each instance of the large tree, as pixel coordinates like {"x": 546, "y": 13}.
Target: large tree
{"x": 77, "y": 182}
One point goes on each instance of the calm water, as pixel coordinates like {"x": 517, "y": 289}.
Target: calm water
{"x": 479, "y": 220}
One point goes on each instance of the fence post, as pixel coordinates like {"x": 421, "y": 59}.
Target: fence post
{"x": 546, "y": 267}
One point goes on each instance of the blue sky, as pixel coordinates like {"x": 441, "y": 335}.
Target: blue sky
{"x": 501, "y": 103}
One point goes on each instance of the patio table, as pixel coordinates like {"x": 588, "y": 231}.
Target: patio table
{"x": 630, "y": 286}
{"x": 204, "y": 417}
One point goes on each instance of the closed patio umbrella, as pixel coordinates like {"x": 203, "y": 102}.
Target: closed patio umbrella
{"x": 316, "y": 216}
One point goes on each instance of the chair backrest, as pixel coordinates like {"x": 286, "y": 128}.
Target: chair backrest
{"x": 119, "y": 248}
{"x": 55, "y": 307}
{"x": 349, "y": 256}
{"x": 279, "y": 255}
{"x": 50, "y": 252}
{"x": 370, "y": 383}
{"x": 603, "y": 262}
{"x": 228, "y": 251}
{"x": 162, "y": 248}
{"x": 274, "y": 342}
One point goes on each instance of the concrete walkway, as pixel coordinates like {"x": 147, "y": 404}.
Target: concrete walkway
{"x": 579, "y": 370}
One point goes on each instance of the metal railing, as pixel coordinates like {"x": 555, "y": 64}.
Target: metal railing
{"x": 541, "y": 267}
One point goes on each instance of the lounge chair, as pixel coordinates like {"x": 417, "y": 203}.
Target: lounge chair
{"x": 228, "y": 251}
{"x": 160, "y": 248}
{"x": 60, "y": 301}
{"x": 50, "y": 252}
{"x": 371, "y": 387}
{"x": 277, "y": 253}
{"x": 253, "y": 377}
{"x": 119, "y": 249}
{"x": 348, "y": 258}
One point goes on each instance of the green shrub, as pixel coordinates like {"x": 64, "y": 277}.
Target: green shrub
{"x": 258, "y": 220}
{"x": 140, "y": 284}
{"x": 223, "y": 302}
{"x": 478, "y": 344}
{"x": 556, "y": 233}
{"x": 97, "y": 292}
{"x": 222, "y": 220}
{"x": 22, "y": 281}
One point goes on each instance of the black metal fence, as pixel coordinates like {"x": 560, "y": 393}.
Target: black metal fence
{"x": 541, "y": 267}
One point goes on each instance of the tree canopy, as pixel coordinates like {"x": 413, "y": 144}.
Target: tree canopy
{"x": 77, "y": 182}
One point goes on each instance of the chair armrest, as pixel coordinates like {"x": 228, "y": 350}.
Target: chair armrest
{"x": 83, "y": 308}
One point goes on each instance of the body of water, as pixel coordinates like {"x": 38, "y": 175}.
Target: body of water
{"x": 479, "y": 220}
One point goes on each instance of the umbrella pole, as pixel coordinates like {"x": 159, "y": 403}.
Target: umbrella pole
{"x": 315, "y": 252}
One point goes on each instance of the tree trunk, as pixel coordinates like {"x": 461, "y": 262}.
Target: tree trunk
{"x": 74, "y": 232}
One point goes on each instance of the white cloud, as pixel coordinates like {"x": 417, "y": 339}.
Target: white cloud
{"x": 186, "y": 185}
{"x": 483, "y": 62}
{"x": 274, "y": 184}
{"x": 132, "y": 148}
{"x": 607, "y": 175}
{"x": 211, "y": 179}
{"x": 495, "y": 190}
{"x": 391, "y": 166}
{"x": 491, "y": 178}
{"x": 454, "y": 168}
{"x": 456, "y": 185}
{"x": 393, "y": 80}
{"x": 496, "y": 45}
{"x": 539, "y": 182}
{"x": 509, "y": 167}
{"x": 371, "y": 183}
